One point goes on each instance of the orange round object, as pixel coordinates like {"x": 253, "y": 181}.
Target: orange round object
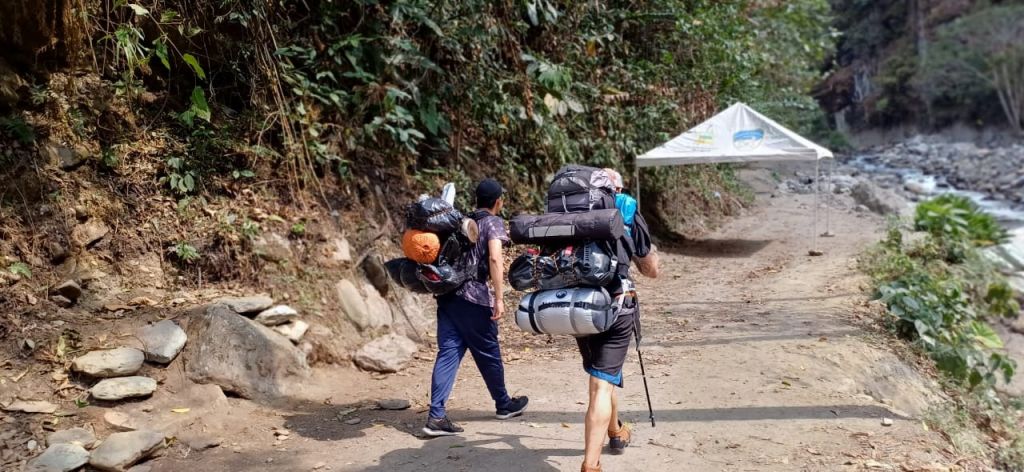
{"x": 421, "y": 246}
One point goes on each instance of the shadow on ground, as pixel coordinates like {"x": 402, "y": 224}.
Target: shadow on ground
{"x": 715, "y": 248}
{"x": 505, "y": 452}
{"x": 329, "y": 423}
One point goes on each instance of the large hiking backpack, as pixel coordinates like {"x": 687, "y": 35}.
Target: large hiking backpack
{"x": 453, "y": 266}
{"x": 580, "y": 188}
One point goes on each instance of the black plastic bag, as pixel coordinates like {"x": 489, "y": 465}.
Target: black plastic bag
{"x": 404, "y": 272}
{"x": 442, "y": 279}
{"x": 434, "y": 215}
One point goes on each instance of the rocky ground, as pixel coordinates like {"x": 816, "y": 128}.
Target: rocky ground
{"x": 996, "y": 171}
{"x": 759, "y": 358}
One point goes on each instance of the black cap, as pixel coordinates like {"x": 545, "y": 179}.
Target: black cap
{"x": 487, "y": 193}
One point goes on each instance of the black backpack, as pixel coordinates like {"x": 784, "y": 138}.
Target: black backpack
{"x": 578, "y": 188}
{"x": 453, "y": 267}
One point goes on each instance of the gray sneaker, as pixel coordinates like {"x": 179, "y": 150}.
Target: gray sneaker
{"x": 516, "y": 406}
{"x": 441, "y": 427}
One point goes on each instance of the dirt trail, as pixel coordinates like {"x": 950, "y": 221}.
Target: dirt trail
{"x": 759, "y": 358}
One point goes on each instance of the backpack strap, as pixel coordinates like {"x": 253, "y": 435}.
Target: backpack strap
{"x": 532, "y": 312}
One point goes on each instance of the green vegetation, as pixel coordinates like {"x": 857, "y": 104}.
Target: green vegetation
{"x": 20, "y": 269}
{"x": 941, "y": 292}
{"x": 364, "y": 90}
{"x": 185, "y": 252}
{"x": 980, "y": 55}
{"x": 928, "y": 63}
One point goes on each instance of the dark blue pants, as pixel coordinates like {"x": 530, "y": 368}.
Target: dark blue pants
{"x": 465, "y": 325}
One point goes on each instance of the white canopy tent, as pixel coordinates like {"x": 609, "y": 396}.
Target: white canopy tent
{"x": 738, "y": 134}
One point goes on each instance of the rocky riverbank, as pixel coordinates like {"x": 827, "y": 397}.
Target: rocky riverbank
{"x": 997, "y": 172}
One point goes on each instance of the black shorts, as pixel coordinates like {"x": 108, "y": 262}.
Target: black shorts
{"x": 605, "y": 353}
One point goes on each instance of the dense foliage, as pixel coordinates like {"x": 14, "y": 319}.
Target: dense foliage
{"x": 371, "y": 91}
{"x": 460, "y": 88}
{"x": 983, "y": 49}
{"x": 927, "y": 62}
{"x": 941, "y": 290}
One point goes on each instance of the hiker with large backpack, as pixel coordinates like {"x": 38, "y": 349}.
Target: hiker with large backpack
{"x": 467, "y": 318}
{"x": 580, "y": 275}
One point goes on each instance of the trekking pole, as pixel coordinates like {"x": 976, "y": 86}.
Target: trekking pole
{"x": 643, "y": 373}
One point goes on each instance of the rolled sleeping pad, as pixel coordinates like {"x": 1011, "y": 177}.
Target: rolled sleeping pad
{"x": 578, "y": 312}
{"x": 588, "y": 264}
{"x": 470, "y": 229}
{"x": 554, "y": 228}
{"x": 421, "y": 246}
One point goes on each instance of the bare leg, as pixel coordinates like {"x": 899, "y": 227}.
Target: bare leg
{"x": 613, "y": 420}
{"x": 599, "y": 415}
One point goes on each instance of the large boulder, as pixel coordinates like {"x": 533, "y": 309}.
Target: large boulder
{"x": 366, "y": 312}
{"x": 272, "y": 247}
{"x": 387, "y": 354}
{"x": 411, "y": 318}
{"x": 162, "y": 341}
{"x": 121, "y": 450}
{"x": 242, "y": 356}
{"x": 877, "y": 199}
{"x": 110, "y": 363}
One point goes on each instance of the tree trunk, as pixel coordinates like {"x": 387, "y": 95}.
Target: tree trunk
{"x": 42, "y": 33}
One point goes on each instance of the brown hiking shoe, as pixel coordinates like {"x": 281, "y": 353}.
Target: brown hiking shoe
{"x": 618, "y": 439}
{"x": 584, "y": 468}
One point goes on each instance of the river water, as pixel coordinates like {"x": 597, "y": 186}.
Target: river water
{"x": 923, "y": 185}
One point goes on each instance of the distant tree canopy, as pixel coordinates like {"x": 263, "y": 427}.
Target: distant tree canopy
{"x": 982, "y": 52}
{"x": 926, "y": 62}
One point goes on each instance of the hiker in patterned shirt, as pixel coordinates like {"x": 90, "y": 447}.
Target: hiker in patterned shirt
{"x": 468, "y": 319}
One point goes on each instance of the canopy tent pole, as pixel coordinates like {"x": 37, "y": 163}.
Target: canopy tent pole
{"x": 817, "y": 187}
{"x": 828, "y": 202}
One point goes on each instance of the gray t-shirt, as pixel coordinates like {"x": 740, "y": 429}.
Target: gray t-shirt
{"x": 478, "y": 290}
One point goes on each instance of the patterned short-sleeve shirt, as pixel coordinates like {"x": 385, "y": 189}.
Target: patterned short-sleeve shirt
{"x": 478, "y": 290}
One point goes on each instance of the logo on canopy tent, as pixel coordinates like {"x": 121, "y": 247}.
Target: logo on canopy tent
{"x": 746, "y": 140}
